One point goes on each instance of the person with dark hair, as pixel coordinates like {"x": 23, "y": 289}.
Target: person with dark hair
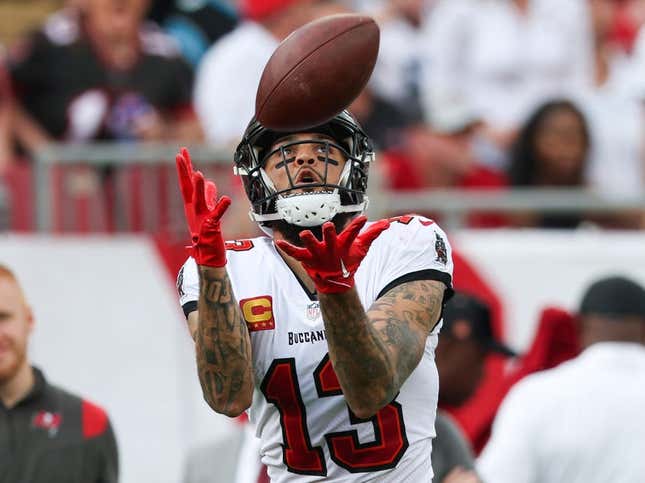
{"x": 551, "y": 151}
{"x": 47, "y": 435}
{"x": 581, "y": 421}
{"x": 466, "y": 339}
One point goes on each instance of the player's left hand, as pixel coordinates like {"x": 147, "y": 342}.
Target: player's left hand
{"x": 332, "y": 262}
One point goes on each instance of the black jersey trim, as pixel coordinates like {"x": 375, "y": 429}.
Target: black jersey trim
{"x": 189, "y": 307}
{"x": 313, "y": 296}
{"x": 428, "y": 274}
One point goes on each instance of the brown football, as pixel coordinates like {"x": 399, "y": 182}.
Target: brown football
{"x": 317, "y": 71}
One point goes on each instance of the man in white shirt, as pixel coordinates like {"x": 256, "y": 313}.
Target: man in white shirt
{"x": 504, "y": 57}
{"x": 583, "y": 420}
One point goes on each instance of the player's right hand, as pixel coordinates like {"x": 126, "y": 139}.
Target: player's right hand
{"x": 203, "y": 212}
{"x": 332, "y": 262}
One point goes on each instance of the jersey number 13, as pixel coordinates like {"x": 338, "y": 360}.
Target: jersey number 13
{"x": 280, "y": 387}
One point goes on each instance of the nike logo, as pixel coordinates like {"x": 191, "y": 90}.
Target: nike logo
{"x": 346, "y": 274}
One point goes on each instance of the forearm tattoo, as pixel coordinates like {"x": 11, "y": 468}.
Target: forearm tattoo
{"x": 359, "y": 356}
{"x": 223, "y": 343}
{"x": 373, "y": 353}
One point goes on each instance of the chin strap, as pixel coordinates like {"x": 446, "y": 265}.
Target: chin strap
{"x": 309, "y": 209}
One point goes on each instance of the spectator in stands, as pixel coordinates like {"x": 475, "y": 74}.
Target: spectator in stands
{"x": 228, "y": 76}
{"x": 195, "y": 25}
{"x": 99, "y": 72}
{"x": 551, "y": 151}
{"x": 47, "y": 434}
{"x": 397, "y": 73}
{"x": 614, "y": 111}
{"x": 466, "y": 338}
{"x": 504, "y": 56}
{"x": 583, "y": 420}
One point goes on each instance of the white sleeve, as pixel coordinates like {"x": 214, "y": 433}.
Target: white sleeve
{"x": 509, "y": 456}
{"x": 417, "y": 249}
{"x": 188, "y": 286}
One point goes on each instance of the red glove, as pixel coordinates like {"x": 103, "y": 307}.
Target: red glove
{"x": 203, "y": 212}
{"x": 332, "y": 263}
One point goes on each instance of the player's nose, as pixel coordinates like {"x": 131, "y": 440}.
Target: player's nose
{"x": 306, "y": 154}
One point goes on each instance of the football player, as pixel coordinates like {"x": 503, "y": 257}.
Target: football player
{"x": 325, "y": 330}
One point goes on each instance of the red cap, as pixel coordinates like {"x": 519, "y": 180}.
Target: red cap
{"x": 259, "y": 9}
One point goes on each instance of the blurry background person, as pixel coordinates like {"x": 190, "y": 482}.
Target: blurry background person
{"x": 551, "y": 151}
{"x": 465, "y": 341}
{"x": 47, "y": 435}
{"x": 397, "y": 73}
{"x": 98, "y": 71}
{"x": 505, "y": 56}
{"x": 583, "y": 420}
{"x": 615, "y": 113}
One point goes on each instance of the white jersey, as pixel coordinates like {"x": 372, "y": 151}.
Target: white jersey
{"x": 306, "y": 429}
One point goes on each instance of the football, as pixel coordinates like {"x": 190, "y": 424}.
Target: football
{"x": 317, "y": 71}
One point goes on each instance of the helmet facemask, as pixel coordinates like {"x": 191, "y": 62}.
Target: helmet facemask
{"x": 310, "y": 199}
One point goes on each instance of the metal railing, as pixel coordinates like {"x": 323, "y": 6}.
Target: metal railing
{"x": 455, "y": 205}
{"x": 452, "y": 205}
{"x": 112, "y": 155}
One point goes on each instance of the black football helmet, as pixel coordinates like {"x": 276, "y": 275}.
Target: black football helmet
{"x": 310, "y": 207}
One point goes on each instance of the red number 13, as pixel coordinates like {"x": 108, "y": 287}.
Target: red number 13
{"x": 280, "y": 387}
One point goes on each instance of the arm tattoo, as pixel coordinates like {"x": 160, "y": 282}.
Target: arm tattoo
{"x": 223, "y": 345}
{"x": 373, "y": 353}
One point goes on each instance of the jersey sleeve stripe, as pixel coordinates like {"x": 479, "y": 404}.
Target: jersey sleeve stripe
{"x": 428, "y": 274}
{"x": 189, "y": 307}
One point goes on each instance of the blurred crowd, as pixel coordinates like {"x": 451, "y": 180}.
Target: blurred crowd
{"x": 469, "y": 94}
